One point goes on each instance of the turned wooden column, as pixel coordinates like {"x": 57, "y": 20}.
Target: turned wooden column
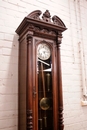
{"x": 60, "y": 93}
{"x": 29, "y": 81}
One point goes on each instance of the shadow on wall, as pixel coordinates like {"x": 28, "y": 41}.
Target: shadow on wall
{"x": 9, "y": 84}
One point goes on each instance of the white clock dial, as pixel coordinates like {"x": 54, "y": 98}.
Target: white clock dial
{"x": 43, "y": 51}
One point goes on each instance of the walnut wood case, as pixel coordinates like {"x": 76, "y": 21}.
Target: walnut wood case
{"x": 35, "y": 29}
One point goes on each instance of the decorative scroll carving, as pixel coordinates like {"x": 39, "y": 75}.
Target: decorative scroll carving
{"x": 35, "y": 14}
{"x": 37, "y": 28}
{"x": 57, "y": 21}
{"x": 44, "y": 30}
{"x": 52, "y": 32}
{"x": 46, "y": 16}
{"x": 61, "y": 118}
{"x": 29, "y": 120}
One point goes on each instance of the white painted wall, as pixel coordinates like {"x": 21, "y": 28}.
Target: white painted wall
{"x": 74, "y": 15}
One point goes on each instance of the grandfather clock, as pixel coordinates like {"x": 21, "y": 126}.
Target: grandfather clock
{"x": 40, "y": 83}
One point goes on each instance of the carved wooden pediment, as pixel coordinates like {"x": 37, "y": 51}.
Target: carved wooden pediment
{"x": 41, "y": 23}
{"x": 46, "y": 17}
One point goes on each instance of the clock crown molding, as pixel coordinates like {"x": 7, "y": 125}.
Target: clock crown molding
{"x": 46, "y": 17}
{"x": 44, "y": 23}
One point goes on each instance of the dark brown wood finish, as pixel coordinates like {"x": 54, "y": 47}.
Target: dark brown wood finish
{"x": 32, "y": 31}
{"x": 60, "y": 95}
{"x": 29, "y": 81}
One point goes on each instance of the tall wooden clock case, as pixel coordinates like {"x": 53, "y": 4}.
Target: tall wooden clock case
{"x": 40, "y": 83}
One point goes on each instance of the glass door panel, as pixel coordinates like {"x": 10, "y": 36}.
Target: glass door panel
{"x": 45, "y": 94}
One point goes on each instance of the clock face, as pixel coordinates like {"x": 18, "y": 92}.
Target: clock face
{"x": 43, "y": 51}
